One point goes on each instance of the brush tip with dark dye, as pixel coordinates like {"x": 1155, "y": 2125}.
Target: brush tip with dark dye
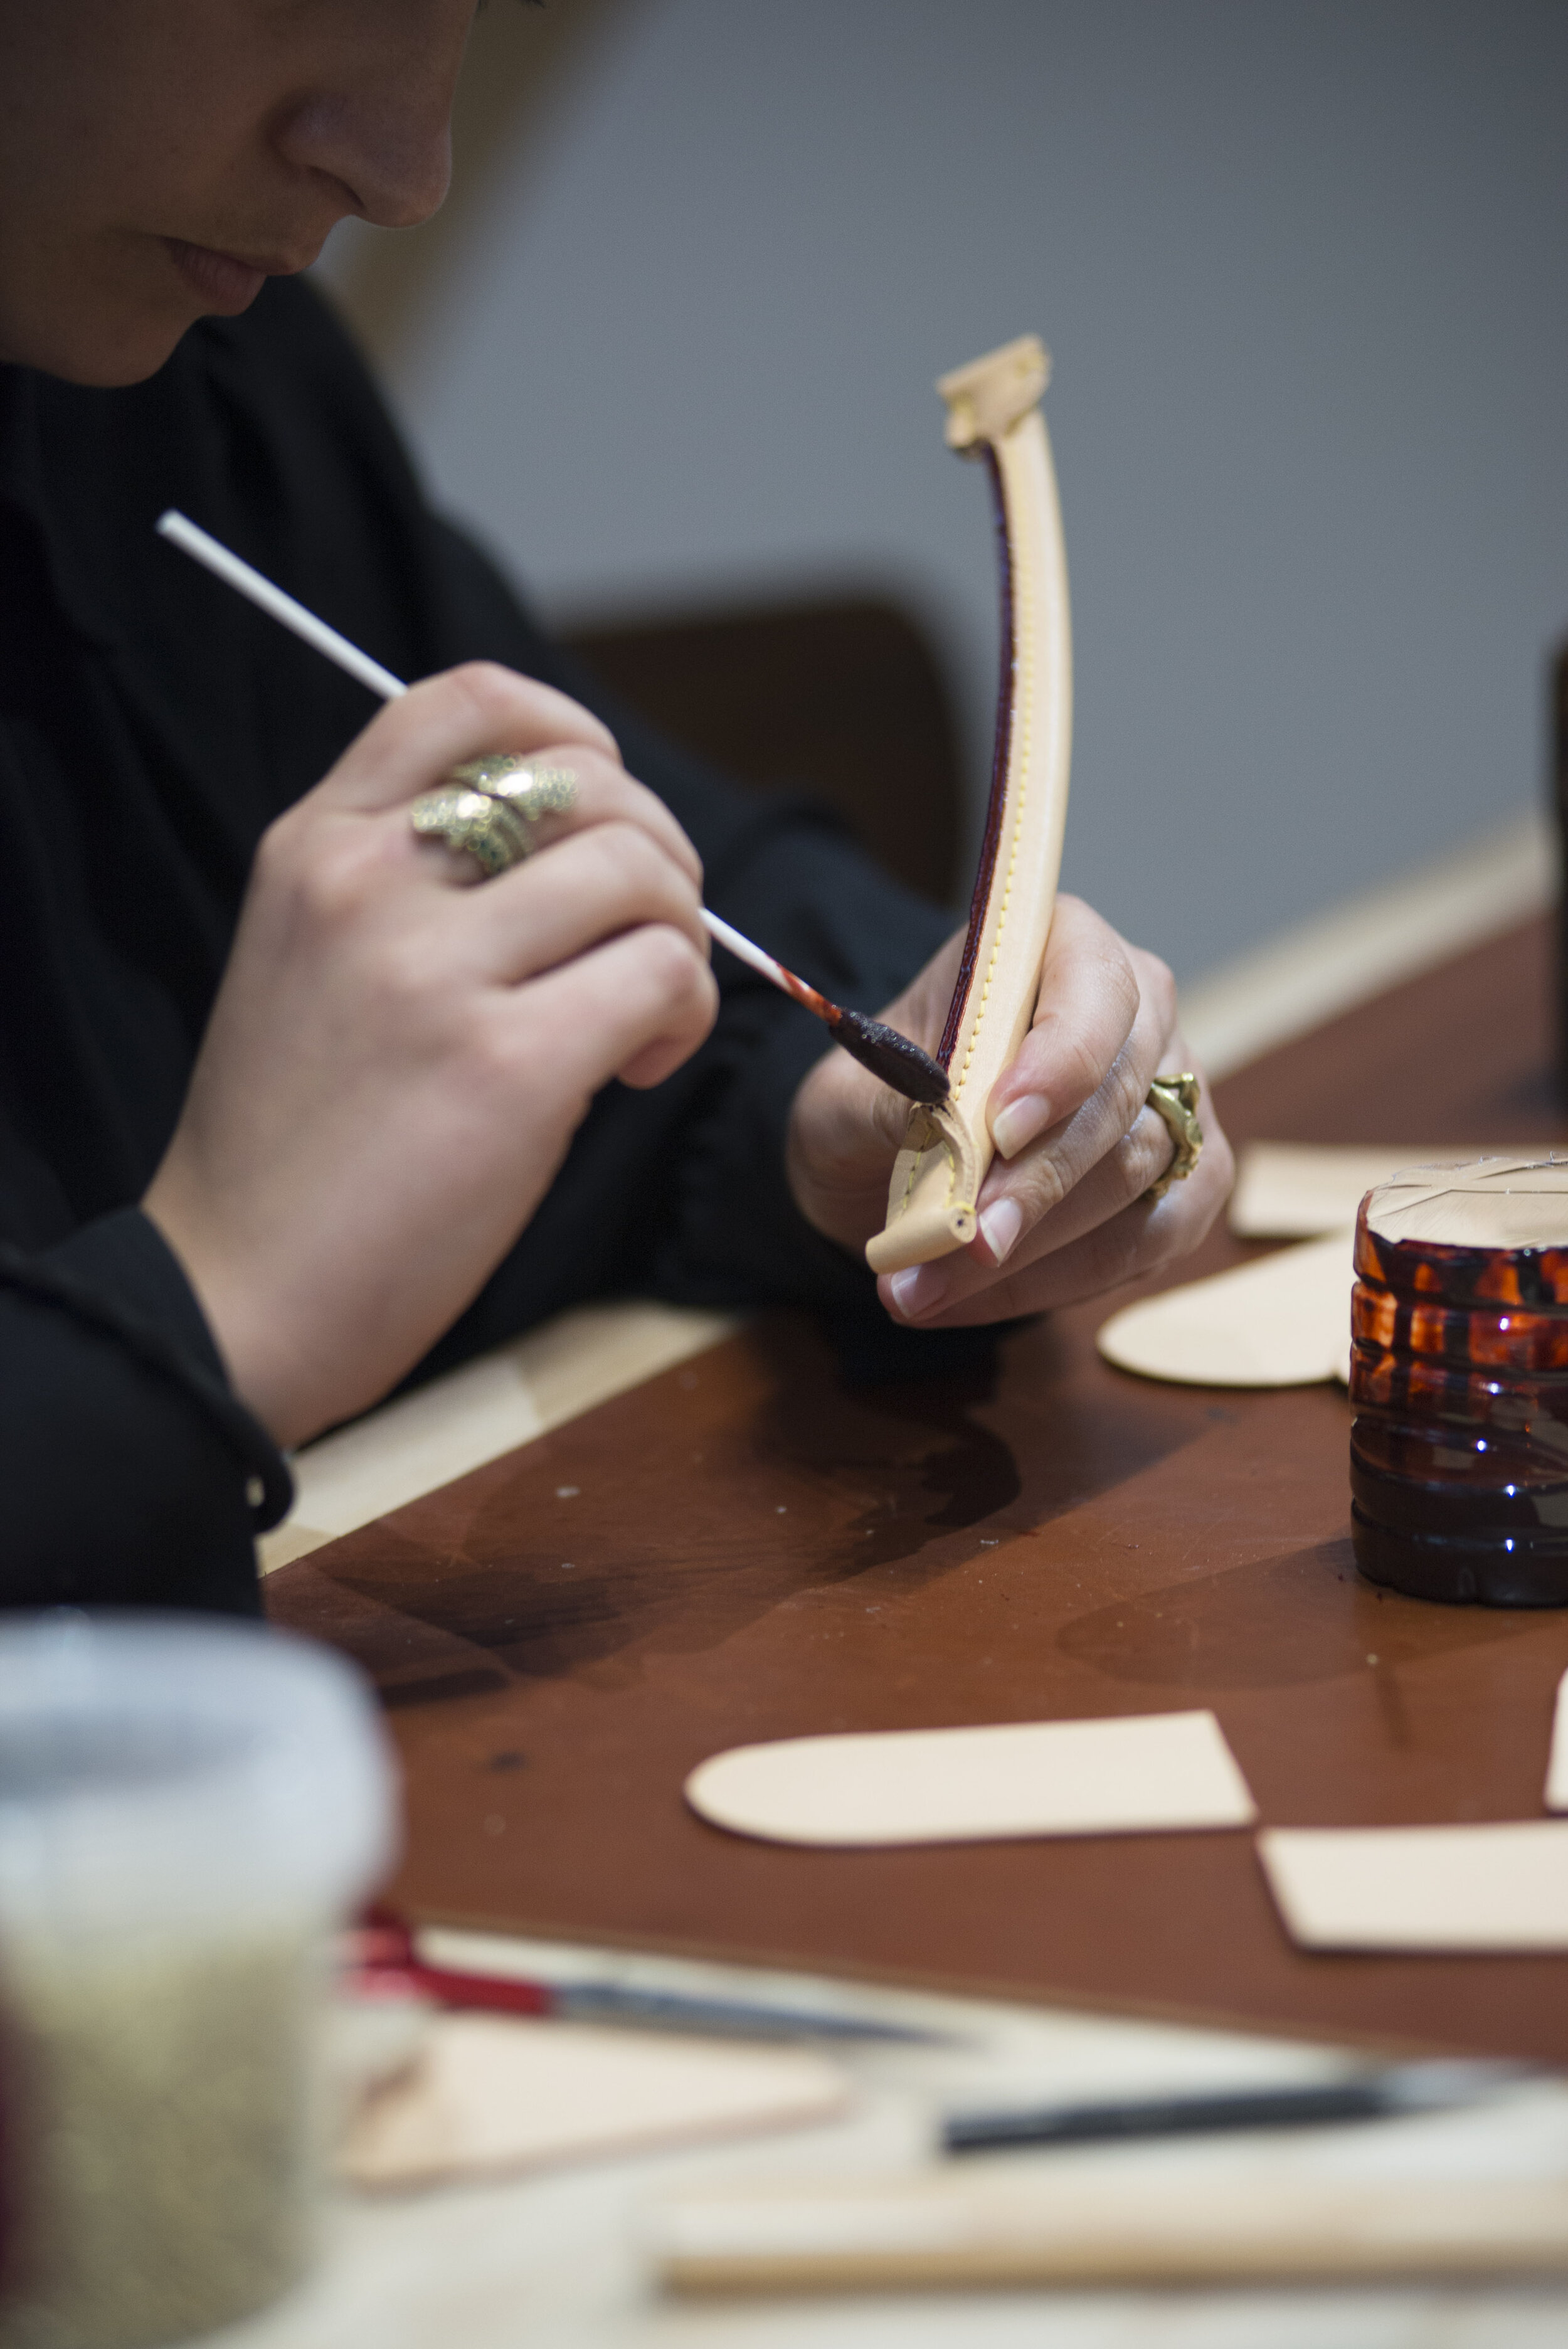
{"x": 876, "y": 1046}
{"x": 892, "y": 1057}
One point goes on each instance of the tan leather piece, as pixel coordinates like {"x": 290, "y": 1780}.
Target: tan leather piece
{"x": 938, "y": 1175}
{"x": 490, "y": 2095}
{"x": 987, "y": 397}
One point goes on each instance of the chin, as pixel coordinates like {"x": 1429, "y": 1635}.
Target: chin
{"x": 106, "y": 355}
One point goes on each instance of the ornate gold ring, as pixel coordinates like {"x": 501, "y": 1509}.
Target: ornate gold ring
{"x": 1175, "y": 1099}
{"x": 491, "y": 806}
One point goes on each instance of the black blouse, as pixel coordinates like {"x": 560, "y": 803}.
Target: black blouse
{"x": 152, "y": 725}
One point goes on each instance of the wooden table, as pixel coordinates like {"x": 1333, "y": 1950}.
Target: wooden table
{"x": 742, "y": 1550}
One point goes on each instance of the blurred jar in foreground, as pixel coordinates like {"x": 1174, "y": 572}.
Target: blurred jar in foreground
{"x": 1459, "y": 1380}
{"x": 187, "y": 1811}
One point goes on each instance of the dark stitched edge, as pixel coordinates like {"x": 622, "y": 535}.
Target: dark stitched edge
{"x": 262, "y": 1461}
{"x": 1001, "y": 751}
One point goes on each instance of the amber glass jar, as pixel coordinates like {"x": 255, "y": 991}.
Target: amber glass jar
{"x": 1458, "y": 1379}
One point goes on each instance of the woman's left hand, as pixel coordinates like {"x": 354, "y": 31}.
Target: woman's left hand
{"x": 1063, "y": 1212}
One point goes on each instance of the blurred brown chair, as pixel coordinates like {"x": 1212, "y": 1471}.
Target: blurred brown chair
{"x": 843, "y": 699}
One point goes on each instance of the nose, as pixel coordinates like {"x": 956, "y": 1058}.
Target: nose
{"x": 383, "y": 130}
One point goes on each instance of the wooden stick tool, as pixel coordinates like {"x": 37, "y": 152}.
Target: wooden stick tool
{"x": 854, "y": 2234}
{"x": 900, "y": 1063}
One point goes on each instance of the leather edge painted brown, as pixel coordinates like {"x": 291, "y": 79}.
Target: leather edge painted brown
{"x": 936, "y": 1178}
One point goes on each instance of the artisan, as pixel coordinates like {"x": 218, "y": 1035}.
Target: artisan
{"x": 293, "y": 1102}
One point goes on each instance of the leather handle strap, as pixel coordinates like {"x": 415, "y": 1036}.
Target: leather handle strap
{"x": 993, "y": 412}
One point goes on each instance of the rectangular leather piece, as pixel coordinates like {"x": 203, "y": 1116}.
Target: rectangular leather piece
{"x": 752, "y": 1552}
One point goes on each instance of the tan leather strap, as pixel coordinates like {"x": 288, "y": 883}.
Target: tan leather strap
{"x": 993, "y": 412}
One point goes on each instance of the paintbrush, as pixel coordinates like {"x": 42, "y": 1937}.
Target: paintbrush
{"x": 385, "y": 1959}
{"x": 877, "y": 1047}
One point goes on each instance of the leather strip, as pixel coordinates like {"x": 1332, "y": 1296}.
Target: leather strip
{"x": 981, "y": 894}
{"x": 993, "y": 413}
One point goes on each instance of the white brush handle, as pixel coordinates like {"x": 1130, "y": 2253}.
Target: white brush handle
{"x": 250, "y": 583}
{"x": 744, "y": 951}
{"x": 218, "y": 558}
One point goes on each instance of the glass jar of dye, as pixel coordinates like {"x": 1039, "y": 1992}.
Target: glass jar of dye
{"x": 1459, "y": 1381}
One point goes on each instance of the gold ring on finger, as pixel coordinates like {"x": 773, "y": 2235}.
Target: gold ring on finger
{"x": 1175, "y": 1099}
{"x": 525, "y": 786}
{"x": 472, "y": 824}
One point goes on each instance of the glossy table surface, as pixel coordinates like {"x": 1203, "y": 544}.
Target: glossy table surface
{"x": 743, "y": 1549}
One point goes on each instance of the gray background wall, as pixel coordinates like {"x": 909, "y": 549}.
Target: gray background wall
{"x": 1300, "y": 265}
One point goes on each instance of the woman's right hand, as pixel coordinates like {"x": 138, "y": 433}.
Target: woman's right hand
{"x": 396, "y": 1060}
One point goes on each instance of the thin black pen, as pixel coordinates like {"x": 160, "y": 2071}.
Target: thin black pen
{"x": 1383, "y": 2095}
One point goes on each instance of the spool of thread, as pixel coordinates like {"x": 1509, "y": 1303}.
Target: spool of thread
{"x": 1459, "y": 1381}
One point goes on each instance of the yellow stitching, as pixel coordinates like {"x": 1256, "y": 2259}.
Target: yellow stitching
{"x": 1023, "y": 637}
{"x": 1018, "y": 763}
{"x": 916, "y": 1160}
{"x": 1024, "y": 642}
{"x": 952, "y": 1168}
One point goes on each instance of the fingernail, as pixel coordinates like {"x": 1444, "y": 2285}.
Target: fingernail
{"x": 1000, "y": 1225}
{"x": 1018, "y": 1123}
{"x": 918, "y": 1289}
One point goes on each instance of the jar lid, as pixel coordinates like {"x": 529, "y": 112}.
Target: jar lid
{"x": 1482, "y": 1231}
{"x": 171, "y": 1772}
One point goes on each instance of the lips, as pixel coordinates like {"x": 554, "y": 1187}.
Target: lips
{"x": 225, "y": 283}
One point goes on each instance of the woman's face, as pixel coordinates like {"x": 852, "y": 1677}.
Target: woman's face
{"x": 159, "y": 158}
